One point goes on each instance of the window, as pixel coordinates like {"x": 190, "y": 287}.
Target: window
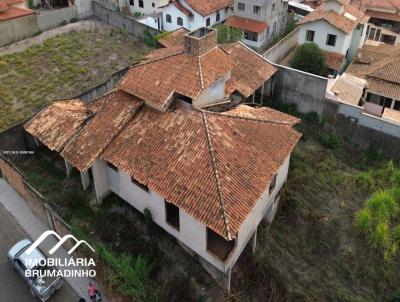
{"x": 172, "y": 215}
{"x": 152, "y": 4}
{"x": 331, "y": 40}
{"x": 273, "y": 7}
{"x": 256, "y": 9}
{"x": 272, "y": 184}
{"x": 208, "y": 22}
{"x": 251, "y": 36}
{"x": 218, "y": 246}
{"x": 131, "y": 2}
{"x": 140, "y": 185}
{"x": 310, "y": 35}
{"x": 218, "y": 17}
{"x": 226, "y": 10}
{"x": 241, "y": 6}
{"x": 168, "y": 18}
{"x": 141, "y": 3}
{"x": 179, "y": 21}
{"x": 110, "y": 165}
{"x": 396, "y": 105}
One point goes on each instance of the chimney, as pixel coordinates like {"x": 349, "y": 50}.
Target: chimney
{"x": 200, "y": 41}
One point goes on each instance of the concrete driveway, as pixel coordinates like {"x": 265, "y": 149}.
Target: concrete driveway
{"x": 12, "y": 286}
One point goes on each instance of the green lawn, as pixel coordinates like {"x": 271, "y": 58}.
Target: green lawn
{"x": 62, "y": 67}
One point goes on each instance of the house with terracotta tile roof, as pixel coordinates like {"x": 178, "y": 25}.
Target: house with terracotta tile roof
{"x": 208, "y": 178}
{"x": 194, "y": 14}
{"x": 384, "y": 21}
{"x": 259, "y": 20}
{"x": 379, "y": 65}
{"x": 338, "y": 28}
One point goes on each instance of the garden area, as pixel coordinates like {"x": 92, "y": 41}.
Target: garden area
{"x": 62, "y": 67}
{"x": 335, "y": 237}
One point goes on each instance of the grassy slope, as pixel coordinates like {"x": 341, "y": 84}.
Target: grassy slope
{"x": 62, "y": 67}
{"x": 312, "y": 251}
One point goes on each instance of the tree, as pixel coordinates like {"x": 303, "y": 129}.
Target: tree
{"x": 226, "y": 34}
{"x": 309, "y": 58}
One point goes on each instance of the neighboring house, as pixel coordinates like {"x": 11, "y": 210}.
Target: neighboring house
{"x": 259, "y": 20}
{"x": 194, "y": 14}
{"x": 337, "y": 28}
{"x": 17, "y": 22}
{"x": 208, "y": 178}
{"x": 144, "y": 7}
{"x": 384, "y": 21}
{"x": 379, "y": 66}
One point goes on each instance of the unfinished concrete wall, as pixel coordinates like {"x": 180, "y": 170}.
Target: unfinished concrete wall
{"x": 277, "y": 52}
{"x": 17, "y": 29}
{"x": 306, "y": 90}
{"x": 51, "y": 18}
{"x": 117, "y": 19}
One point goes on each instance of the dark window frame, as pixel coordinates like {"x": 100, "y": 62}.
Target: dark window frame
{"x": 241, "y": 6}
{"x": 140, "y": 185}
{"x": 132, "y": 2}
{"x": 111, "y": 166}
{"x": 331, "y": 39}
{"x": 179, "y": 21}
{"x": 217, "y": 16}
{"x": 308, "y": 33}
{"x": 171, "y": 209}
{"x": 256, "y": 9}
{"x": 141, "y": 3}
{"x": 208, "y": 22}
{"x": 168, "y": 18}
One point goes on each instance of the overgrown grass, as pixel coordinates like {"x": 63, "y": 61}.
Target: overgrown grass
{"x": 61, "y": 67}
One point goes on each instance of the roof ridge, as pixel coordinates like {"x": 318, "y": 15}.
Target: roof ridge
{"x": 178, "y": 52}
{"x": 249, "y": 118}
{"x": 218, "y": 180}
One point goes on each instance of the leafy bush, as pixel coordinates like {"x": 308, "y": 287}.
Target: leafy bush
{"x": 313, "y": 117}
{"x": 395, "y": 297}
{"x": 364, "y": 220}
{"x": 148, "y": 38}
{"x": 329, "y": 139}
{"x": 309, "y": 57}
{"x": 30, "y": 4}
{"x": 130, "y": 279}
{"x": 226, "y": 34}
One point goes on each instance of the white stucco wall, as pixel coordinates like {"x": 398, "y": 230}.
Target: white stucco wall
{"x": 195, "y": 22}
{"x": 191, "y": 232}
{"x": 213, "y": 94}
{"x": 322, "y": 29}
{"x": 147, "y": 6}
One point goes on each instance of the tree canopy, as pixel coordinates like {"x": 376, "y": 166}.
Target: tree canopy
{"x": 226, "y": 34}
{"x": 309, "y": 58}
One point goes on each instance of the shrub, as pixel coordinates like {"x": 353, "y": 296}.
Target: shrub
{"x": 148, "y": 38}
{"x": 312, "y": 117}
{"x": 309, "y": 58}
{"x": 395, "y": 297}
{"x": 226, "y": 34}
{"x": 383, "y": 205}
{"x": 30, "y": 4}
{"x": 364, "y": 221}
{"x": 380, "y": 235}
{"x": 329, "y": 139}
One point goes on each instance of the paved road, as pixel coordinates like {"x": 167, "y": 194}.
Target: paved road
{"x": 12, "y": 286}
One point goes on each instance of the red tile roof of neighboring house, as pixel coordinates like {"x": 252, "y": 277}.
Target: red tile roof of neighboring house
{"x": 380, "y": 66}
{"x": 340, "y": 21}
{"x": 8, "y": 11}
{"x": 206, "y": 7}
{"x": 383, "y": 16}
{"x": 183, "y": 9}
{"x": 201, "y": 161}
{"x": 333, "y": 59}
{"x": 376, "y": 4}
{"x": 246, "y": 24}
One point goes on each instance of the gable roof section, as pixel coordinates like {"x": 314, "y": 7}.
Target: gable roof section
{"x": 207, "y": 7}
{"x": 249, "y": 71}
{"x": 246, "y": 24}
{"x": 340, "y": 21}
{"x": 118, "y": 107}
{"x": 155, "y": 81}
{"x": 174, "y": 38}
{"x": 56, "y": 123}
{"x": 8, "y": 11}
{"x": 183, "y": 9}
{"x": 198, "y": 160}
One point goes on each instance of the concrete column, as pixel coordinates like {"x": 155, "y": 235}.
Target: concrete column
{"x": 254, "y": 241}
{"x": 227, "y": 281}
{"x": 85, "y": 180}
{"x": 262, "y": 93}
{"x": 254, "y": 94}
{"x": 68, "y": 168}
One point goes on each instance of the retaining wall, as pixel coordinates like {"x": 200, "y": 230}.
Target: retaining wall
{"x": 277, "y": 52}
{"x": 51, "y": 18}
{"x": 105, "y": 14}
{"x": 17, "y": 29}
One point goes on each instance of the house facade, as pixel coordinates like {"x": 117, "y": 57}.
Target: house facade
{"x": 192, "y": 14}
{"x": 143, "y": 7}
{"x": 152, "y": 143}
{"x": 338, "y": 28}
{"x": 259, "y": 20}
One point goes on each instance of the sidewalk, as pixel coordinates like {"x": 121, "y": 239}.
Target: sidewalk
{"x": 18, "y": 208}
